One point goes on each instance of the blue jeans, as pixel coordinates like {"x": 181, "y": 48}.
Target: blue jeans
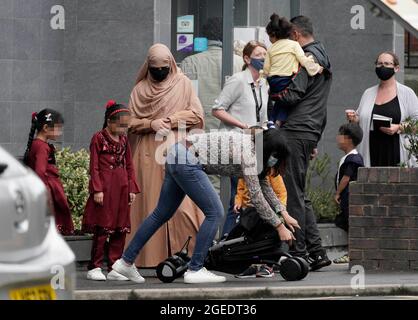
{"x": 278, "y": 84}
{"x": 184, "y": 176}
{"x": 231, "y": 218}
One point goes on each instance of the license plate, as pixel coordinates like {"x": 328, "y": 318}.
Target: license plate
{"x": 43, "y": 292}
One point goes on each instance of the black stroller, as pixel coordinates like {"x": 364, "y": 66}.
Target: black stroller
{"x": 254, "y": 241}
{"x": 251, "y": 241}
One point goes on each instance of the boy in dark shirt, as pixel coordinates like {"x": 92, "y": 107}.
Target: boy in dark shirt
{"x": 348, "y": 138}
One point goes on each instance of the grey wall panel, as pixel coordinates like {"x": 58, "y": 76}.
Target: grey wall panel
{"x": 75, "y": 70}
{"x": 27, "y": 39}
{"x": 5, "y": 122}
{"x": 6, "y": 38}
{"x": 6, "y": 79}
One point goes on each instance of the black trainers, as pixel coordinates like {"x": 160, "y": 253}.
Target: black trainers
{"x": 250, "y": 272}
{"x": 318, "y": 261}
{"x": 265, "y": 272}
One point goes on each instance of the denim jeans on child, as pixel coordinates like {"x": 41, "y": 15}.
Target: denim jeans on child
{"x": 278, "y": 84}
{"x": 184, "y": 176}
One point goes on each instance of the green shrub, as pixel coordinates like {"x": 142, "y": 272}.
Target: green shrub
{"x": 321, "y": 193}
{"x": 411, "y": 132}
{"x": 74, "y": 173}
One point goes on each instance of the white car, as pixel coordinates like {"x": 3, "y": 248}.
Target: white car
{"x": 35, "y": 261}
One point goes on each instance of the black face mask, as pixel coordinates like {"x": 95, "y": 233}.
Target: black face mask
{"x": 159, "y": 74}
{"x": 385, "y": 73}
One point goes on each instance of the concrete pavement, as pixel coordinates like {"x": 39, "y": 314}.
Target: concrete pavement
{"x": 333, "y": 281}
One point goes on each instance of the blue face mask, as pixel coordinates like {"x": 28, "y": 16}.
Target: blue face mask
{"x": 272, "y": 161}
{"x": 258, "y": 64}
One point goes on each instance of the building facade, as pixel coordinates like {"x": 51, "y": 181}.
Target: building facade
{"x": 96, "y": 55}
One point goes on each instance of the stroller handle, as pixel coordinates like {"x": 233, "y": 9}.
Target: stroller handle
{"x": 226, "y": 243}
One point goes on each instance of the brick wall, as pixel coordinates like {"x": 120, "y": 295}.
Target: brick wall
{"x": 383, "y": 231}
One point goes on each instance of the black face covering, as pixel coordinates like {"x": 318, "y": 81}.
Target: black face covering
{"x": 159, "y": 74}
{"x": 385, "y": 73}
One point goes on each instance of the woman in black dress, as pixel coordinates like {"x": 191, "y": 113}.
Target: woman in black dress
{"x": 385, "y": 146}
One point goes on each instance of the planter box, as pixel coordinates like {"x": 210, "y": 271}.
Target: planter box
{"x": 384, "y": 219}
{"x": 81, "y": 246}
{"x": 332, "y": 236}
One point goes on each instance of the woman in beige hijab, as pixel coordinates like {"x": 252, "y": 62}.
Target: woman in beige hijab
{"x": 161, "y": 100}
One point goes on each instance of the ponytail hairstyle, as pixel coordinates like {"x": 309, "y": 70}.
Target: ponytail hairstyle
{"x": 279, "y": 27}
{"x": 44, "y": 117}
{"x": 114, "y": 111}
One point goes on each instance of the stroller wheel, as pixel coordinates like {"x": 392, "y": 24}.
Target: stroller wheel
{"x": 290, "y": 269}
{"x": 166, "y": 272}
{"x": 304, "y": 267}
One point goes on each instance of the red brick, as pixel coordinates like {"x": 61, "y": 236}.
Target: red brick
{"x": 356, "y": 211}
{"x": 384, "y": 222}
{"x": 372, "y": 254}
{"x": 412, "y": 254}
{"x": 360, "y": 221}
{"x": 366, "y": 264}
{"x": 393, "y": 200}
{"x": 379, "y": 211}
{"x": 363, "y": 174}
{"x": 382, "y": 175}
{"x": 405, "y": 188}
{"x": 413, "y": 201}
{"x": 394, "y": 265}
{"x": 394, "y": 175}
{"x": 394, "y": 244}
{"x": 363, "y": 243}
{"x": 355, "y": 232}
{"x": 413, "y": 177}
{"x": 356, "y": 254}
{"x": 402, "y": 211}
{"x": 411, "y": 222}
{"x": 399, "y": 233}
{"x": 413, "y": 244}
{"x": 356, "y": 188}
{"x": 367, "y": 210}
{"x": 404, "y": 174}
{"x": 399, "y": 254}
{"x": 371, "y": 232}
{"x": 413, "y": 265}
{"x": 391, "y": 222}
{"x": 378, "y": 188}
{"x": 364, "y": 199}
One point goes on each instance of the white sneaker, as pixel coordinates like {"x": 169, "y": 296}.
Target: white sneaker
{"x": 202, "y": 276}
{"x": 96, "y": 275}
{"x": 115, "y": 276}
{"x": 129, "y": 271}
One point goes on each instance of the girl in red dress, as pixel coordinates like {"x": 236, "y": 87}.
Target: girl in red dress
{"x": 40, "y": 157}
{"x": 112, "y": 190}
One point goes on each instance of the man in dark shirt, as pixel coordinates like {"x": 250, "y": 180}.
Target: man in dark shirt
{"x": 306, "y": 101}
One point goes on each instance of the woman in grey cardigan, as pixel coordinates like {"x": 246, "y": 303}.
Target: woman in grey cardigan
{"x": 385, "y": 146}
